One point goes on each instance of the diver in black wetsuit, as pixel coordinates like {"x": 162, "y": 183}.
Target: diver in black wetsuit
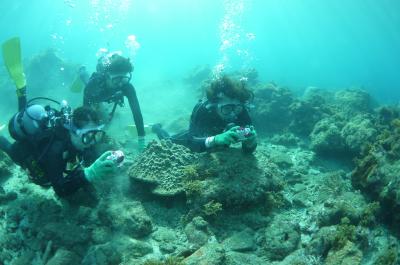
{"x": 219, "y": 120}
{"x": 110, "y": 84}
{"x": 51, "y": 145}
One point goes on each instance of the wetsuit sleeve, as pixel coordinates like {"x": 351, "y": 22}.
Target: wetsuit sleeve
{"x": 54, "y": 169}
{"x": 189, "y": 138}
{"x": 87, "y": 93}
{"x": 195, "y": 141}
{"x": 130, "y": 93}
{"x": 93, "y": 89}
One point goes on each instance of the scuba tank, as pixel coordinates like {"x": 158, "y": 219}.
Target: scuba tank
{"x": 36, "y": 121}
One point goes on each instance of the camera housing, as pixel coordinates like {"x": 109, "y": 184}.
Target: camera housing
{"x": 117, "y": 156}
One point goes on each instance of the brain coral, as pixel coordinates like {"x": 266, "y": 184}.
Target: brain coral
{"x": 163, "y": 165}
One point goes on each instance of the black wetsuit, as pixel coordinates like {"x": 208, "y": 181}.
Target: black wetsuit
{"x": 205, "y": 122}
{"x": 47, "y": 159}
{"x": 96, "y": 91}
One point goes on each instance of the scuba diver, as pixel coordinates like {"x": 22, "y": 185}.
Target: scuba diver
{"x": 110, "y": 84}
{"x": 51, "y": 143}
{"x": 219, "y": 121}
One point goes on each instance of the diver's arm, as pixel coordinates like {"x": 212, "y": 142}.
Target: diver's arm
{"x": 64, "y": 186}
{"x": 185, "y": 138}
{"x": 130, "y": 93}
{"x": 195, "y": 143}
{"x": 87, "y": 94}
{"x": 92, "y": 90}
{"x": 55, "y": 167}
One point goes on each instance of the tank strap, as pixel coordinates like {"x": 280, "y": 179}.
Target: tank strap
{"x": 21, "y": 124}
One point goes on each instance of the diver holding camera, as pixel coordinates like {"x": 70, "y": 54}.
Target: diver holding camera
{"x": 50, "y": 143}
{"x": 219, "y": 121}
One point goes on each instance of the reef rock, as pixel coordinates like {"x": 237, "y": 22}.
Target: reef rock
{"x": 242, "y": 241}
{"x": 5, "y": 166}
{"x": 359, "y": 131}
{"x": 376, "y": 174}
{"x": 162, "y": 167}
{"x": 170, "y": 240}
{"x": 128, "y": 217}
{"x": 349, "y": 254}
{"x": 318, "y": 96}
{"x": 64, "y": 257}
{"x": 280, "y": 238}
{"x": 271, "y": 113}
{"x": 211, "y": 253}
{"x": 231, "y": 178}
{"x": 116, "y": 251}
{"x": 198, "y": 232}
{"x": 351, "y": 102}
{"x": 326, "y": 137}
{"x": 304, "y": 115}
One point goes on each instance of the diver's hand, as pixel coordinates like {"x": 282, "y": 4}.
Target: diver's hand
{"x": 101, "y": 168}
{"x": 141, "y": 143}
{"x": 251, "y": 139}
{"x": 227, "y": 138}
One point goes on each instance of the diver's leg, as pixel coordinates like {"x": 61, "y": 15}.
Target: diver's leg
{"x": 5, "y": 145}
{"x": 21, "y": 94}
{"x": 160, "y": 132}
{"x": 17, "y": 151}
{"x": 181, "y": 138}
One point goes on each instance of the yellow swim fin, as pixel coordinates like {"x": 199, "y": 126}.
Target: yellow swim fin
{"x": 12, "y": 60}
{"x": 77, "y": 86}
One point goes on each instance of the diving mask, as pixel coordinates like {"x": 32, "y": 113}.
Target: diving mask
{"x": 120, "y": 79}
{"x": 91, "y": 135}
{"x": 227, "y": 109}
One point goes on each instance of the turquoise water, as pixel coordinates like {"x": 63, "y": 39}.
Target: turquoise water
{"x": 298, "y": 43}
{"x": 331, "y": 44}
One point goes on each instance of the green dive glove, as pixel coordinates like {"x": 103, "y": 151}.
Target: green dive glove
{"x": 101, "y": 168}
{"x": 227, "y": 138}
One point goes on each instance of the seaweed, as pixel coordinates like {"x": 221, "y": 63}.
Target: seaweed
{"x": 190, "y": 171}
{"x": 212, "y": 208}
{"x": 345, "y": 232}
{"x": 274, "y": 200}
{"x": 368, "y": 217}
{"x": 193, "y": 187}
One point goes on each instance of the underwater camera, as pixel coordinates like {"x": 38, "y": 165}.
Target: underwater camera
{"x": 117, "y": 156}
{"x": 244, "y": 132}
